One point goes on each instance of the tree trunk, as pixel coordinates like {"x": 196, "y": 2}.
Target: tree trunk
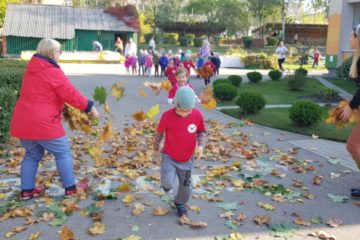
{"x": 283, "y": 19}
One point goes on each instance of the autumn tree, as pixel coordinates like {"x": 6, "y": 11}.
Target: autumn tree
{"x": 3, "y": 4}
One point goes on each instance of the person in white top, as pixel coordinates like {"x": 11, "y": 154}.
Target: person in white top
{"x": 130, "y": 47}
{"x": 281, "y": 51}
{"x": 152, "y": 45}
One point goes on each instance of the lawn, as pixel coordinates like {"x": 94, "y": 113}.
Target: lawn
{"x": 347, "y": 85}
{"x": 277, "y": 92}
{"x": 279, "y": 118}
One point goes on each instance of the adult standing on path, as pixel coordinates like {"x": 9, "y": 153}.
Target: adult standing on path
{"x": 281, "y": 51}
{"x": 152, "y": 45}
{"x": 130, "y": 47}
{"x": 204, "y": 52}
{"x": 353, "y": 142}
{"x": 36, "y": 119}
{"x": 119, "y": 47}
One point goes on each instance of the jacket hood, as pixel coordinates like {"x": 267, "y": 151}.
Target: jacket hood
{"x": 39, "y": 63}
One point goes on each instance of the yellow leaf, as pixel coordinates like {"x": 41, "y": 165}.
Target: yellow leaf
{"x": 143, "y": 93}
{"x": 97, "y": 229}
{"x": 209, "y": 105}
{"x": 158, "y": 211}
{"x": 34, "y": 236}
{"x": 166, "y": 85}
{"x": 2, "y": 195}
{"x": 125, "y": 187}
{"x": 66, "y": 234}
{"x": 206, "y": 95}
{"x": 261, "y": 220}
{"x": 106, "y": 132}
{"x": 15, "y": 231}
{"x": 106, "y": 108}
{"x": 153, "y": 111}
{"x": 117, "y": 91}
{"x": 300, "y": 221}
{"x": 95, "y": 151}
{"x": 139, "y": 116}
{"x": 129, "y": 198}
{"x": 139, "y": 209}
{"x": 133, "y": 237}
{"x": 195, "y": 209}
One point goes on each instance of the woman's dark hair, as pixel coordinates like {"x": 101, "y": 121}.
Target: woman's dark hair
{"x": 280, "y": 41}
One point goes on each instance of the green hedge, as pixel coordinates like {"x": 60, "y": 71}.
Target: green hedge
{"x": 190, "y": 39}
{"x": 247, "y": 41}
{"x": 236, "y": 80}
{"x": 272, "y": 41}
{"x": 221, "y": 80}
{"x": 254, "y": 77}
{"x": 198, "y": 41}
{"x": 11, "y": 74}
{"x": 225, "y": 91}
{"x": 171, "y": 38}
{"x": 305, "y": 113}
{"x": 343, "y": 71}
{"x": 275, "y": 74}
{"x": 251, "y": 102}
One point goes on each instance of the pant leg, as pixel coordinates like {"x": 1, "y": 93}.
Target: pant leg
{"x": 168, "y": 172}
{"x": 183, "y": 171}
{"x": 353, "y": 145}
{"x": 34, "y": 152}
{"x": 60, "y": 148}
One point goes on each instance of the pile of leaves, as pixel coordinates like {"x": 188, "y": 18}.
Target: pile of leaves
{"x": 334, "y": 116}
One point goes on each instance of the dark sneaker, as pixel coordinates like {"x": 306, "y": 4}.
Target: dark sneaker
{"x": 355, "y": 189}
{"x": 181, "y": 209}
{"x": 355, "y": 194}
{"x": 37, "y": 191}
{"x": 71, "y": 192}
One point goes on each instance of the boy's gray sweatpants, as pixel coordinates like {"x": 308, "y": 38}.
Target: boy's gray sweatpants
{"x": 169, "y": 169}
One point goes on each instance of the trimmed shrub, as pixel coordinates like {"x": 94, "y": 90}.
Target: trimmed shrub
{"x": 305, "y": 113}
{"x": 190, "y": 39}
{"x": 327, "y": 94}
{"x": 297, "y": 81}
{"x": 254, "y": 77}
{"x": 275, "y": 75}
{"x": 272, "y": 41}
{"x": 183, "y": 41}
{"x": 235, "y": 80}
{"x": 343, "y": 71}
{"x": 8, "y": 98}
{"x": 259, "y": 61}
{"x": 198, "y": 41}
{"x": 302, "y": 71}
{"x": 221, "y": 80}
{"x": 225, "y": 91}
{"x": 251, "y": 102}
{"x": 247, "y": 41}
{"x": 171, "y": 38}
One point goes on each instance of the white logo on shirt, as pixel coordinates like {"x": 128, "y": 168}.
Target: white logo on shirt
{"x": 192, "y": 128}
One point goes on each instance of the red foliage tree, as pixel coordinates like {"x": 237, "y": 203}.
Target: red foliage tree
{"x": 128, "y": 14}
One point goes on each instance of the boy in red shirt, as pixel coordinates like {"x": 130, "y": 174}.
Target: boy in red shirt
{"x": 316, "y": 58}
{"x": 182, "y": 125}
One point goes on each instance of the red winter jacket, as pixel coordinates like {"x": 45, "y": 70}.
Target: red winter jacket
{"x": 38, "y": 111}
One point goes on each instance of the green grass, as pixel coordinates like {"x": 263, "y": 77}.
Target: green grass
{"x": 347, "y": 85}
{"x": 279, "y": 118}
{"x": 277, "y": 92}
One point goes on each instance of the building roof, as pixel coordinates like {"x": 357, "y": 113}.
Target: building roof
{"x": 54, "y": 21}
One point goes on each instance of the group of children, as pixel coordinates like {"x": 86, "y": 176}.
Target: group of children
{"x": 167, "y": 63}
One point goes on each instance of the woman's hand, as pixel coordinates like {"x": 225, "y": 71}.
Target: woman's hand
{"x": 94, "y": 113}
{"x": 346, "y": 113}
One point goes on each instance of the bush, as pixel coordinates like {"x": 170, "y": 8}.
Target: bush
{"x": 171, "y": 38}
{"x": 251, "y": 102}
{"x": 275, "y": 75}
{"x": 183, "y": 41}
{"x": 235, "y": 80}
{"x": 272, "y": 41}
{"x": 305, "y": 113}
{"x": 198, "y": 41}
{"x": 296, "y": 82}
{"x": 8, "y": 98}
{"x": 190, "y": 39}
{"x": 343, "y": 71}
{"x": 327, "y": 94}
{"x": 259, "y": 61}
{"x": 254, "y": 77}
{"x": 247, "y": 41}
{"x": 222, "y": 80}
{"x": 225, "y": 91}
{"x": 302, "y": 71}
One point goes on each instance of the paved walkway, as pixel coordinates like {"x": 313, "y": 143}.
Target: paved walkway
{"x": 275, "y": 149}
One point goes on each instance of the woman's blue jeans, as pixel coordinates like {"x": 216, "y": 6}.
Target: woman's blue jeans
{"x": 35, "y": 149}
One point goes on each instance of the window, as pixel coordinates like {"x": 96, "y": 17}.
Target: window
{"x": 356, "y": 14}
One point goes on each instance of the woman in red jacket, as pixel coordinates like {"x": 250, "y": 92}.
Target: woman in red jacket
{"x": 36, "y": 119}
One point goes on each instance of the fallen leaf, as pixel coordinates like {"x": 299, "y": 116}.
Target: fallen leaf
{"x": 338, "y": 198}
{"x": 198, "y": 225}
{"x": 142, "y": 93}
{"x": 117, "y": 91}
{"x": 153, "y": 111}
{"x": 97, "y": 229}
{"x": 284, "y": 229}
{"x": 139, "y": 116}
{"x": 184, "y": 220}
{"x": 313, "y": 136}
{"x": 34, "y": 236}
{"x": 322, "y": 235}
{"x": 317, "y": 220}
{"x": 100, "y": 95}
{"x": 158, "y": 211}
{"x": 241, "y": 217}
{"x": 334, "y": 223}
{"x": 14, "y": 231}
{"x": 262, "y": 220}
{"x": 128, "y": 199}
{"x": 227, "y": 214}
{"x": 133, "y": 237}
{"x": 106, "y": 108}
{"x": 125, "y": 187}
{"x": 195, "y": 209}
{"x": 300, "y": 221}
{"x": 66, "y": 234}
{"x": 139, "y": 209}
{"x": 317, "y": 180}
{"x": 135, "y": 228}
{"x": 266, "y": 206}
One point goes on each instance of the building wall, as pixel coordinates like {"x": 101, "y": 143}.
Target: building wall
{"x": 343, "y": 15}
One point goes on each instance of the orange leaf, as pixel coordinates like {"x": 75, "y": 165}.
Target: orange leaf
{"x": 66, "y": 234}
{"x": 139, "y": 116}
{"x": 97, "y": 229}
{"x": 166, "y": 85}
